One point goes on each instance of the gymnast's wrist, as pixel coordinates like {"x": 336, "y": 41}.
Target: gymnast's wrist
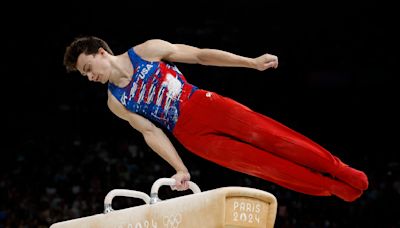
{"x": 182, "y": 170}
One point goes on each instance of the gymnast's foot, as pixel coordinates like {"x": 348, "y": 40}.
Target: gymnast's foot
{"x": 352, "y": 177}
{"x": 343, "y": 190}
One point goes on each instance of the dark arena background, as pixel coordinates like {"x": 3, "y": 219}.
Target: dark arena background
{"x": 336, "y": 83}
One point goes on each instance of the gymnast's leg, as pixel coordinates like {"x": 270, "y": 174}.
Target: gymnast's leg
{"x": 229, "y": 118}
{"x": 248, "y": 159}
{"x": 270, "y": 135}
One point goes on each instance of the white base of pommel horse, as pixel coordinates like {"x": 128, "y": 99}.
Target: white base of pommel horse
{"x": 217, "y": 208}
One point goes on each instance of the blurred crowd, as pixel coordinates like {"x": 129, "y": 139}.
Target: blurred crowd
{"x": 49, "y": 180}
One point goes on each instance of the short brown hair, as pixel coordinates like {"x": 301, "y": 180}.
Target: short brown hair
{"x": 86, "y": 44}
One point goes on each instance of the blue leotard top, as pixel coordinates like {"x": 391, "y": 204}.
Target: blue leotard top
{"x": 156, "y": 90}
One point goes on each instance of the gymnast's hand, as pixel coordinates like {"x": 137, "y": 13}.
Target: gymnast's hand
{"x": 182, "y": 179}
{"x": 265, "y": 61}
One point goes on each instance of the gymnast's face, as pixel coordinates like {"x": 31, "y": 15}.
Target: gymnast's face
{"x": 96, "y": 67}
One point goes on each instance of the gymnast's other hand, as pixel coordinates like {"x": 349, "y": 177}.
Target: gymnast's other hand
{"x": 182, "y": 181}
{"x": 265, "y": 61}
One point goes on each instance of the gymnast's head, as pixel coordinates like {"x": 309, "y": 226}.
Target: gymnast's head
{"x": 86, "y": 55}
{"x": 88, "y": 45}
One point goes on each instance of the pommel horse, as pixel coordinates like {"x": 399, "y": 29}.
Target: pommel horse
{"x": 218, "y": 208}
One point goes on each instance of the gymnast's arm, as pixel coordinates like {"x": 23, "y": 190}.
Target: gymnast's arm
{"x": 156, "y": 50}
{"x": 155, "y": 138}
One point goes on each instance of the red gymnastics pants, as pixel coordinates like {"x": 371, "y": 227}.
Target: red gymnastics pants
{"x": 230, "y": 134}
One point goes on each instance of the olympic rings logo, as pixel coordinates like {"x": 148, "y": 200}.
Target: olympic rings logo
{"x": 172, "y": 221}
